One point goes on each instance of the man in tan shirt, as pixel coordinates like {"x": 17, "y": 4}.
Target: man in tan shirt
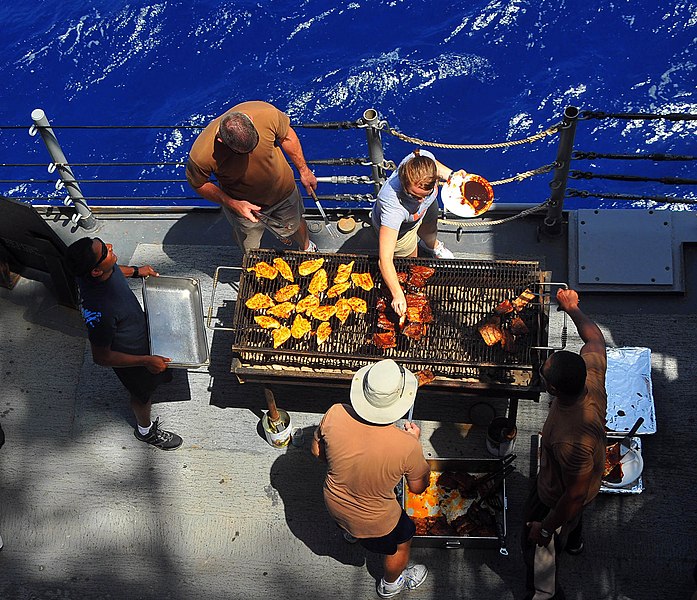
{"x": 242, "y": 148}
{"x": 572, "y": 454}
{"x": 366, "y": 457}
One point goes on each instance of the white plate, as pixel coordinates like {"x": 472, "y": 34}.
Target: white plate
{"x": 451, "y": 195}
{"x": 632, "y": 466}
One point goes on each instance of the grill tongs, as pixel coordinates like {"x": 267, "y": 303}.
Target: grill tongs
{"x": 268, "y": 222}
{"x": 495, "y": 500}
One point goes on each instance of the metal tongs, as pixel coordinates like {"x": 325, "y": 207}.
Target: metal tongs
{"x": 327, "y": 223}
{"x": 267, "y": 222}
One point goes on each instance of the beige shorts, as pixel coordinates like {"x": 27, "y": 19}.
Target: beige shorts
{"x": 406, "y": 244}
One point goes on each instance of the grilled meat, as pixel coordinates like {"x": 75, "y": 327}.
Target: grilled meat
{"x": 323, "y": 332}
{"x": 358, "y": 304}
{"x": 318, "y": 283}
{"x": 282, "y": 310}
{"x": 491, "y": 331}
{"x": 300, "y": 327}
{"x": 344, "y": 272}
{"x": 508, "y": 341}
{"x": 518, "y": 326}
{"x": 402, "y": 277}
{"x": 308, "y": 267}
{"x": 421, "y": 271}
{"x": 523, "y": 300}
{"x": 440, "y": 527}
{"x": 343, "y": 309}
{"x": 384, "y": 322}
{"x": 613, "y": 466}
{"x": 323, "y": 313}
{"x": 415, "y": 331}
{"x": 381, "y": 304}
{"x": 286, "y": 293}
{"x": 337, "y": 289}
{"x": 421, "y": 314}
{"x": 265, "y": 270}
{"x": 504, "y": 308}
{"x": 280, "y": 336}
{"x": 385, "y": 340}
{"x": 424, "y": 376}
{"x": 416, "y": 300}
{"x": 267, "y": 322}
{"x": 307, "y": 304}
{"x": 284, "y": 269}
{"x": 363, "y": 280}
{"x": 259, "y": 301}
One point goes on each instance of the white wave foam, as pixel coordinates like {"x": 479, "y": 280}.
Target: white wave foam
{"x": 494, "y": 15}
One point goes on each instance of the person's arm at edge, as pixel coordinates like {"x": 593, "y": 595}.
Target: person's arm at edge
{"x": 144, "y": 271}
{"x": 590, "y": 333}
{"x": 104, "y": 356}
{"x": 213, "y": 193}
{"x": 418, "y": 484}
{"x": 292, "y": 147}
{"x": 317, "y": 447}
{"x": 386, "y": 244}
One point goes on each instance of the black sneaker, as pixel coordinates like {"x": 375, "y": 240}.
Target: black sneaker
{"x": 577, "y": 549}
{"x": 164, "y": 440}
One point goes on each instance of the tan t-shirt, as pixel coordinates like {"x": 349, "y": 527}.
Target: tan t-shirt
{"x": 365, "y": 463}
{"x": 573, "y": 437}
{"x": 263, "y": 176}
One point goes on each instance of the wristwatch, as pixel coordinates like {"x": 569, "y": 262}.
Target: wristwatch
{"x": 544, "y": 533}
{"x": 135, "y": 273}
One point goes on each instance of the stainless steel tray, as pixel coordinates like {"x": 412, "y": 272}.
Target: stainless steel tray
{"x": 633, "y": 488}
{"x": 174, "y": 313}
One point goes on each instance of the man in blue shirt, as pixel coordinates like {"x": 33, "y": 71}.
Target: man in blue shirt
{"x": 117, "y": 331}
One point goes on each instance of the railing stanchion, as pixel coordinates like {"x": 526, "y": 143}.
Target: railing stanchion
{"x": 375, "y": 150}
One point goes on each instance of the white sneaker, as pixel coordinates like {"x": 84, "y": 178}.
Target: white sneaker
{"x": 1, "y": 542}
{"x": 312, "y": 247}
{"x": 411, "y": 578}
{"x": 440, "y": 251}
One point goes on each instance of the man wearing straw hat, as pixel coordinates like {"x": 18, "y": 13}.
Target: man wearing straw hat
{"x": 366, "y": 457}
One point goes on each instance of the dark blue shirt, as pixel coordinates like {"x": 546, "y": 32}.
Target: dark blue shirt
{"x": 113, "y": 315}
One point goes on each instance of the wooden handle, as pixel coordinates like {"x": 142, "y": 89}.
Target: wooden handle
{"x": 274, "y": 417}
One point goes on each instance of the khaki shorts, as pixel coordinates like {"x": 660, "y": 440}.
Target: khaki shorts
{"x": 406, "y": 244}
{"x": 289, "y": 212}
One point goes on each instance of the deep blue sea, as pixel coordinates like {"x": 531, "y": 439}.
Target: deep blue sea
{"x": 465, "y": 73}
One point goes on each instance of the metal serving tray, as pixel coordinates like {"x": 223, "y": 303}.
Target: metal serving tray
{"x": 633, "y": 488}
{"x": 474, "y": 466}
{"x": 174, "y": 313}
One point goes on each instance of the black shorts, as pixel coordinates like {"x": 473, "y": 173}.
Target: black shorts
{"x": 387, "y": 544}
{"x": 140, "y": 382}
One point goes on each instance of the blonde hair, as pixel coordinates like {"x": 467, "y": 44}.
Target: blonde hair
{"x": 420, "y": 171}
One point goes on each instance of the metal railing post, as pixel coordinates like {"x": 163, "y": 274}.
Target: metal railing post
{"x": 375, "y": 150}
{"x": 83, "y": 215}
{"x": 552, "y": 223}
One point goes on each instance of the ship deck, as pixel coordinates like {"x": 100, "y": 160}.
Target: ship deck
{"x": 88, "y": 512}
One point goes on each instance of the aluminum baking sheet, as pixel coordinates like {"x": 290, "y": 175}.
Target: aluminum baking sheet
{"x": 174, "y": 312}
{"x": 629, "y": 390}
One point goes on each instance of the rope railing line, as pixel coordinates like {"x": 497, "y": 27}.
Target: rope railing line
{"x": 572, "y": 193}
{"x": 528, "y": 140}
{"x": 609, "y": 176}
{"x": 580, "y": 155}
{"x": 520, "y": 215}
{"x": 597, "y": 114}
{"x": 525, "y": 174}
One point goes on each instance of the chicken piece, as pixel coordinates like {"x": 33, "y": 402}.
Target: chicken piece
{"x": 421, "y": 314}
{"x": 284, "y": 269}
{"x": 504, "y": 308}
{"x": 415, "y": 282}
{"x": 318, "y": 283}
{"x": 518, "y": 327}
{"x": 415, "y": 330}
{"x": 402, "y": 277}
{"x": 424, "y": 376}
{"x": 282, "y": 310}
{"x": 286, "y": 293}
{"x": 358, "y": 305}
{"x": 265, "y": 270}
{"x": 523, "y": 300}
{"x": 385, "y": 340}
{"x": 344, "y": 272}
{"x": 384, "y": 322}
{"x": 337, "y": 289}
{"x": 323, "y": 313}
{"x": 381, "y": 304}
{"x": 323, "y": 332}
{"x": 280, "y": 336}
{"x": 363, "y": 280}
{"x": 508, "y": 341}
{"x": 308, "y": 267}
{"x": 421, "y": 271}
{"x": 307, "y": 304}
{"x": 343, "y": 309}
{"x": 300, "y": 327}
{"x": 416, "y": 300}
{"x": 267, "y": 322}
{"x": 259, "y": 301}
{"x": 491, "y": 332}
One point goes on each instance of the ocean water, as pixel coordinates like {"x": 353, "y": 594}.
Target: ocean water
{"x": 461, "y": 73}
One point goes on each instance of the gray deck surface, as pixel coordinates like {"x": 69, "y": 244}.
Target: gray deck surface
{"x": 86, "y": 511}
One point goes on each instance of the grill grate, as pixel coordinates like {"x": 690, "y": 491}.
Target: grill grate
{"x": 462, "y": 294}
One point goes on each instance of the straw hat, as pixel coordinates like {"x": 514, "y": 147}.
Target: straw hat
{"x": 383, "y": 392}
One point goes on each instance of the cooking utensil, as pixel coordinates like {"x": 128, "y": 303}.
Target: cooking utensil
{"x": 626, "y": 441}
{"x": 327, "y": 223}
{"x": 267, "y": 222}
{"x": 275, "y": 421}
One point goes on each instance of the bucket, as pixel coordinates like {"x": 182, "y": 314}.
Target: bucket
{"x": 280, "y": 439}
{"x": 500, "y": 436}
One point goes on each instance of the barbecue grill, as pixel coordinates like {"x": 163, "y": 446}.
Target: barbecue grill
{"x": 463, "y": 293}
